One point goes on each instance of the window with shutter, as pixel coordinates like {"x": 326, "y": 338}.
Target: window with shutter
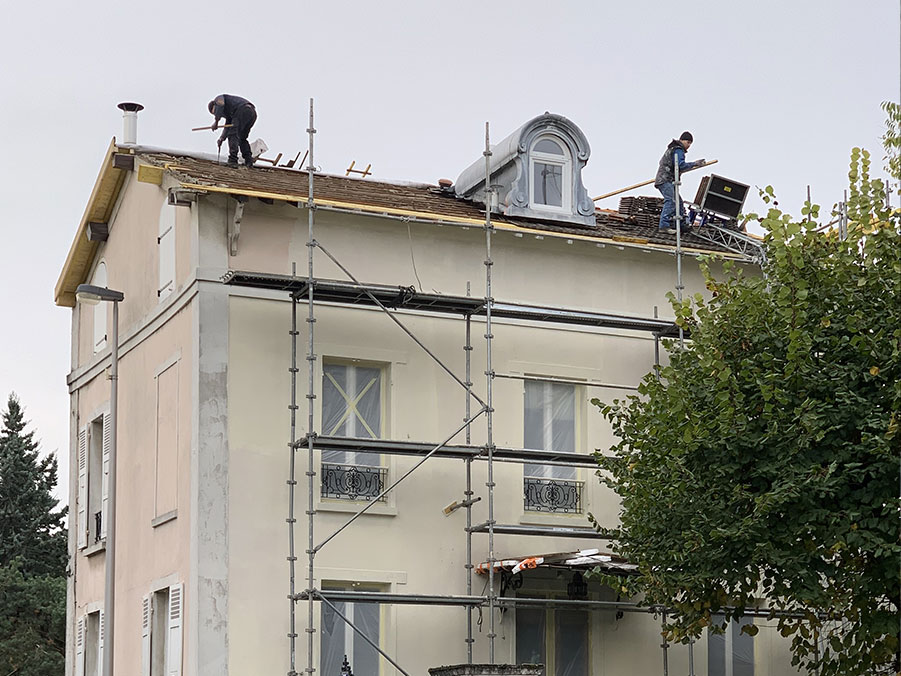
{"x": 93, "y": 644}
{"x": 79, "y": 646}
{"x": 106, "y": 446}
{"x": 159, "y": 632}
{"x": 82, "y": 517}
{"x": 166, "y": 248}
{"x": 549, "y": 419}
{"x": 97, "y": 479}
{"x": 352, "y": 405}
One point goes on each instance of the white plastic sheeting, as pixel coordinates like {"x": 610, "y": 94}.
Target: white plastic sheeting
{"x": 339, "y": 640}
{"x": 550, "y": 425}
{"x": 351, "y": 407}
{"x": 570, "y": 640}
{"x": 731, "y": 653}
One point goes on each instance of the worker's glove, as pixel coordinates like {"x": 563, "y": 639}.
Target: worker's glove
{"x": 219, "y": 142}
{"x": 215, "y": 125}
{"x": 701, "y": 162}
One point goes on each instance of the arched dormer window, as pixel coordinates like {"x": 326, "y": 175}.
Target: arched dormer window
{"x": 99, "y": 334}
{"x": 550, "y": 169}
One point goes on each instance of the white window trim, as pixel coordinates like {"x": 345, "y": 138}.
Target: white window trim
{"x": 83, "y": 524}
{"x": 389, "y": 506}
{"x": 564, "y": 162}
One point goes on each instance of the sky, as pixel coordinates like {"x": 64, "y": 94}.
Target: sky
{"x": 778, "y": 91}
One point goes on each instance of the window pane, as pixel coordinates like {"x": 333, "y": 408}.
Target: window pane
{"x": 716, "y": 651}
{"x": 547, "y": 184}
{"x": 331, "y": 646}
{"x": 742, "y": 651}
{"x": 546, "y": 145}
{"x": 334, "y": 400}
{"x": 368, "y": 410}
{"x": 365, "y": 657}
{"x": 530, "y": 630}
{"x": 571, "y": 654}
{"x": 549, "y": 424}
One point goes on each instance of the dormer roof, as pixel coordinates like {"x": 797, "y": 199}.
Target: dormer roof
{"x": 536, "y": 172}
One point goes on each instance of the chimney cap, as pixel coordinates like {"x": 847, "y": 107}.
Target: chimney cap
{"x": 130, "y": 107}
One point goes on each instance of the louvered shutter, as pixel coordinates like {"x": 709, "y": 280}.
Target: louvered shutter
{"x": 166, "y": 249}
{"x": 101, "y": 624}
{"x": 104, "y": 484}
{"x": 82, "y": 518}
{"x": 79, "y": 646}
{"x": 176, "y": 603}
{"x": 145, "y": 637}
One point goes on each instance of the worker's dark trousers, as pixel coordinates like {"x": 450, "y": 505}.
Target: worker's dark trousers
{"x": 242, "y": 123}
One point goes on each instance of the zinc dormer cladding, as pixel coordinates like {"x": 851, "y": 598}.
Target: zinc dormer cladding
{"x": 536, "y": 173}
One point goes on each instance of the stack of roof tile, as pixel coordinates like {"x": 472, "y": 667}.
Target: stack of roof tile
{"x": 641, "y": 210}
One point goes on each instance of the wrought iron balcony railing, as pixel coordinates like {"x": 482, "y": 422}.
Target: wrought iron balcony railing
{"x": 552, "y": 495}
{"x": 353, "y": 482}
{"x": 98, "y": 525}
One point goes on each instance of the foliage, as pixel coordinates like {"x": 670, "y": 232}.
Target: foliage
{"x": 763, "y": 465}
{"x": 32, "y": 554}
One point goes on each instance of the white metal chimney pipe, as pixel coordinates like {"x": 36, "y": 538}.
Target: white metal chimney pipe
{"x": 130, "y": 122}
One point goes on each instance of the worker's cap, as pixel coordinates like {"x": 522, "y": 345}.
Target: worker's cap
{"x": 686, "y": 136}
{"x": 213, "y": 105}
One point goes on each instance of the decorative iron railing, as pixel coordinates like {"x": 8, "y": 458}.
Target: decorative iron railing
{"x": 553, "y": 495}
{"x": 353, "y": 482}
{"x": 98, "y": 524}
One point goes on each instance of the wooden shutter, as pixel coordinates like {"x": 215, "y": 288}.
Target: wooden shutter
{"x": 104, "y": 483}
{"x": 166, "y": 250}
{"x": 101, "y": 630}
{"x": 82, "y": 499}
{"x": 145, "y": 637}
{"x": 79, "y": 646}
{"x": 176, "y": 603}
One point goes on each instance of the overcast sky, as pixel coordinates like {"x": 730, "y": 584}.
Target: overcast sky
{"x": 778, "y": 90}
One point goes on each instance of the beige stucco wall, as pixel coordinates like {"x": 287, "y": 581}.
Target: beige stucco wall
{"x": 408, "y": 545}
{"x": 149, "y": 556}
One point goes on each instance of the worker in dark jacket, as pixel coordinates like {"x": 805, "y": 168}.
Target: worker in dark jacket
{"x": 665, "y": 180}
{"x": 240, "y": 114}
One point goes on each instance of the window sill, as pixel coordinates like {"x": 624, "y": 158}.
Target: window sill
{"x": 94, "y": 548}
{"x": 353, "y": 506}
{"x": 164, "y": 518}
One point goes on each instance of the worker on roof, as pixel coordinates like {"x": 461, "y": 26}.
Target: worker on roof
{"x": 665, "y": 180}
{"x": 239, "y": 115}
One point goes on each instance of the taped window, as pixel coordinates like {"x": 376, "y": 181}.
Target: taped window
{"x": 352, "y": 406}
{"x": 339, "y": 642}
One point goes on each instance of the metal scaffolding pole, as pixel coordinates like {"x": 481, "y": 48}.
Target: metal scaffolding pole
{"x": 467, "y": 495}
{"x": 292, "y": 485}
{"x": 489, "y": 412}
{"x": 311, "y": 396}
{"x": 679, "y": 287}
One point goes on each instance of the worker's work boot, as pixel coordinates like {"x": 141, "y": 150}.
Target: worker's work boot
{"x": 232, "y": 162}
{"x": 249, "y": 161}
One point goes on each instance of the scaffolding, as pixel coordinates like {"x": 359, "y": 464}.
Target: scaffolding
{"x": 392, "y": 300}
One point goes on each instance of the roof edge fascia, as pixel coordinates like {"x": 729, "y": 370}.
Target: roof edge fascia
{"x": 82, "y": 250}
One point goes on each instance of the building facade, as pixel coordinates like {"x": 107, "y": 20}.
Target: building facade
{"x": 213, "y": 429}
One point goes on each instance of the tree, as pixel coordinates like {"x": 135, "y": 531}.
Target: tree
{"x": 764, "y": 461}
{"x": 32, "y": 554}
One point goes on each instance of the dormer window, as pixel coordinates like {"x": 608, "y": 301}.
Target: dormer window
{"x": 535, "y": 172}
{"x": 551, "y": 172}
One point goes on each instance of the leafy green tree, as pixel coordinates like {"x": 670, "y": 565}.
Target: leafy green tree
{"x": 763, "y": 463}
{"x": 32, "y": 554}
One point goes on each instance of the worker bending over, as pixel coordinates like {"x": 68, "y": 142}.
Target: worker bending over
{"x": 240, "y": 115}
{"x": 665, "y": 181}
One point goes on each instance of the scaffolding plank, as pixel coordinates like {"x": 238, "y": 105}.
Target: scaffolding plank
{"x": 386, "y": 597}
{"x": 552, "y": 531}
{"x": 408, "y": 298}
{"x": 460, "y": 452}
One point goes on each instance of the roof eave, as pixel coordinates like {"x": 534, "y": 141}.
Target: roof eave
{"x": 98, "y": 210}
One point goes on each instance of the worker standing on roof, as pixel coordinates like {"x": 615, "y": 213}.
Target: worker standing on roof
{"x": 240, "y": 114}
{"x": 665, "y": 180}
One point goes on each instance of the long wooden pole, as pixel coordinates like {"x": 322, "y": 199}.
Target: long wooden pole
{"x": 643, "y": 183}
{"x": 221, "y": 126}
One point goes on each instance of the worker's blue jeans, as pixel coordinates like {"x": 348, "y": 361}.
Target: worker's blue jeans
{"x": 668, "y": 190}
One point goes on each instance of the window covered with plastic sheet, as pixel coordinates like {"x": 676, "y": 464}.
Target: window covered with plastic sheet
{"x": 338, "y": 641}
{"x": 556, "y": 638}
{"x": 549, "y": 419}
{"x": 352, "y": 407}
{"x": 730, "y": 653}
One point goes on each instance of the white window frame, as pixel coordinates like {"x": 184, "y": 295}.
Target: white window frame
{"x": 166, "y": 251}
{"x": 174, "y": 630}
{"x": 350, "y": 636}
{"x": 87, "y": 535}
{"x": 563, "y": 161}
{"x": 82, "y": 636}
{"x": 351, "y": 458}
{"x": 554, "y": 472}
{"x": 100, "y": 314}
